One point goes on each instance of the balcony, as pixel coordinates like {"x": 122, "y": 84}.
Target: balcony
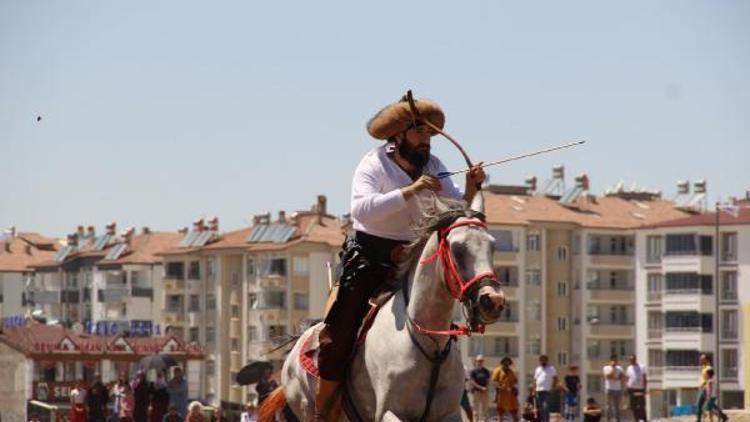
{"x": 509, "y": 255}
{"x": 272, "y": 281}
{"x": 611, "y": 293}
{"x": 70, "y": 296}
{"x": 113, "y": 295}
{"x": 654, "y": 334}
{"x": 612, "y": 330}
{"x": 174, "y": 284}
{"x": 45, "y": 297}
{"x": 680, "y": 376}
{"x": 142, "y": 292}
{"x": 653, "y": 297}
{"x": 173, "y": 315}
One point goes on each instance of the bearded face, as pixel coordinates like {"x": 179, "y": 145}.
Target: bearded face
{"x": 418, "y": 156}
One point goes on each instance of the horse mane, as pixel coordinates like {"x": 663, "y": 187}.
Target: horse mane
{"x": 437, "y": 213}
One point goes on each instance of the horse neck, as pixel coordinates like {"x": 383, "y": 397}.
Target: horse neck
{"x": 430, "y": 303}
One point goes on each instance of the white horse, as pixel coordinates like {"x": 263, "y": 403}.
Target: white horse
{"x": 404, "y": 370}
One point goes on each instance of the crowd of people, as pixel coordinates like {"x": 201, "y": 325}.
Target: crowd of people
{"x": 550, "y": 396}
{"x": 131, "y": 400}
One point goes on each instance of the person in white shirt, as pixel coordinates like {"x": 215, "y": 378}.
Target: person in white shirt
{"x": 614, "y": 377}
{"x": 545, "y": 378}
{"x": 384, "y": 208}
{"x": 636, "y": 388}
{"x": 249, "y": 415}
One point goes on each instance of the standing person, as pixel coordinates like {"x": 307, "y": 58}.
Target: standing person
{"x": 127, "y": 404}
{"x": 140, "y": 394}
{"x": 383, "y": 206}
{"x": 572, "y": 385}
{"x": 117, "y": 393}
{"x": 177, "y": 388}
{"x": 465, "y": 403}
{"x": 637, "y": 385}
{"x": 97, "y": 400}
{"x": 545, "y": 377}
{"x": 78, "y": 411}
{"x": 159, "y": 398}
{"x": 613, "y": 380}
{"x": 706, "y": 367}
{"x": 506, "y": 384}
{"x": 710, "y": 394}
{"x": 479, "y": 379}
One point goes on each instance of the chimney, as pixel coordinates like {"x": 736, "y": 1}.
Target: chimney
{"x": 12, "y": 229}
{"x": 699, "y": 186}
{"x": 111, "y": 228}
{"x": 198, "y": 225}
{"x": 91, "y": 231}
{"x": 282, "y": 216}
{"x": 183, "y": 230}
{"x": 558, "y": 171}
{"x": 127, "y": 234}
{"x": 582, "y": 181}
{"x": 683, "y": 187}
{"x": 213, "y": 224}
{"x": 531, "y": 184}
{"x": 321, "y": 206}
{"x": 146, "y": 230}
{"x": 73, "y": 239}
{"x": 81, "y": 232}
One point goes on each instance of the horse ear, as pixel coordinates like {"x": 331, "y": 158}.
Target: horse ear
{"x": 477, "y": 203}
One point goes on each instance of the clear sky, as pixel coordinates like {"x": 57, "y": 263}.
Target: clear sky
{"x": 158, "y": 112}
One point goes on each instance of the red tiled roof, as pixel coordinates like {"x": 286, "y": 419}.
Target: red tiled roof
{"x": 25, "y": 252}
{"x": 709, "y": 219}
{"x": 145, "y": 248}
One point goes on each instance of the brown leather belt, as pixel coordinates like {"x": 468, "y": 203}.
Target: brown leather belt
{"x": 379, "y": 248}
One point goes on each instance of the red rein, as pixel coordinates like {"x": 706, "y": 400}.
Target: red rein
{"x": 453, "y": 280}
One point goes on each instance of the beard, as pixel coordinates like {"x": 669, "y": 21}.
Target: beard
{"x": 417, "y": 157}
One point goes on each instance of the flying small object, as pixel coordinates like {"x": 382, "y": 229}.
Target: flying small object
{"x": 38, "y": 118}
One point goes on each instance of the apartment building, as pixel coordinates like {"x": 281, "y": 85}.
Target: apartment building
{"x": 243, "y": 292}
{"x": 103, "y": 284}
{"x": 677, "y": 293}
{"x": 566, "y": 259}
{"x": 18, "y": 253}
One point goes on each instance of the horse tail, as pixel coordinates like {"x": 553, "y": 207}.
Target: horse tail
{"x": 272, "y": 404}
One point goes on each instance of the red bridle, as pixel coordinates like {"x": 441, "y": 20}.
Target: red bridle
{"x": 453, "y": 280}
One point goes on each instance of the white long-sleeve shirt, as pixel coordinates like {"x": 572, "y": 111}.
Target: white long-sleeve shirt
{"x": 378, "y": 207}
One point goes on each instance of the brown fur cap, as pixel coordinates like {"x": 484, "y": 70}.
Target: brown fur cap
{"x": 396, "y": 118}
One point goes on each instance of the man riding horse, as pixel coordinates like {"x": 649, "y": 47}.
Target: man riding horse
{"x": 384, "y": 208}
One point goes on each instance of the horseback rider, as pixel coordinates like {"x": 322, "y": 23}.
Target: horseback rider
{"x": 383, "y": 209}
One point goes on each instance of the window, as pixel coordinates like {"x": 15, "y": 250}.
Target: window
{"x": 534, "y": 277}
{"x": 533, "y": 242}
{"x": 195, "y": 303}
{"x": 681, "y": 244}
{"x": 683, "y": 358}
{"x": 235, "y": 345}
{"x": 653, "y": 249}
{"x": 729, "y": 364}
{"x": 194, "y": 334}
{"x": 594, "y": 384}
{"x": 577, "y": 244}
{"x": 211, "y": 268}
{"x": 508, "y": 314}
{"x": 729, "y": 247}
{"x": 301, "y": 265}
{"x": 534, "y": 310}
{"x": 175, "y": 270}
{"x": 250, "y": 268}
{"x": 654, "y": 286}
{"x": 562, "y": 323}
{"x": 210, "y": 368}
{"x": 252, "y": 333}
{"x": 729, "y": 286}
{"x": 679, "y": 321}
{"x": 276, "y": 331}
{"x": 137, "y": 279}
{"x": 729, "y": 325}
{"x": 707, "y": 248}
{"x": 619, "y": 348}
{"x": 503, "y": 240}
{"x": 691, "y": 283}
{"x": 235, "y": 311}
{"x": 174, "y": 303}
{"x": 301, "y": 301}
{"x": 507, "y": 276}
{"x": 562, "y": 288}
{"x": 655, "y": 358}
{"x": 210, "y": 335}
{"x": 562, "y": 253}
{"x": 593, "y": 350}
{"x": 267, "y": 300}
{"x": 210, "y": 302}
{"x": 194, "y": 270}
{"x": 534, "y": 346}
{"x": 277, "y": 266}
{"x": 562, "y": 359}
{"x": 123, "y": 310}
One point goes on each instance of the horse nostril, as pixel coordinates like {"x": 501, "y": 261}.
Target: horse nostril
{"x": 486, "y": 302}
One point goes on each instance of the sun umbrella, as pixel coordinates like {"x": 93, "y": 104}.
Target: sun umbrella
{"x": 253, "y": 372}
{"x": 157, "y": 361}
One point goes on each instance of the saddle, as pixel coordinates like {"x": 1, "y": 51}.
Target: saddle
{"x": 308, "y": 354}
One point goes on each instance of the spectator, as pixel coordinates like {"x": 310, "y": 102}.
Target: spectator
{"x": 172, "y": 415}
{"x": 572, "y": 385}
{"x": 195, "y": 413}
{"x": 249, "y": 414}
{"x": 636, "y": 388}
{"x": 140, "y": 393}
{"x": 613, "y": 380}
{"x": 219, "y": 416}
{"x": 117, "y": 393}
{"x": 506, "y": 384}
{"x": 529, "y": 409}
{"x": 545, "y": 378}
{"x": 592, "y": 412}
{"x": 702, "y": 398}
{"x": 479, "y": 380}
{"x": 710, "y": 394}
{"x": 159, "y": 397}
{"x": 127, "y": 404}
{"x": 265, "y": 386}
{"x": 97, "y": 400}
{"x": 78, "y": 411}
{"x": 465, "y": 404}
{"x": 177, "y": 388}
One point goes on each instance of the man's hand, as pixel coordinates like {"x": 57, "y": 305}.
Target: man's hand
{"x": 425, "y": 181}
{"x": 476, "y": 176}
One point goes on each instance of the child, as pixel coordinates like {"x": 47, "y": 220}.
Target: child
{"x": 592, "y": 412}
{"x": 709, "y": 391}
{"x": 529, "y": 410}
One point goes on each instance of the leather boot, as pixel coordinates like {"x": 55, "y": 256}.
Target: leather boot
{"x": 327, "y": 401}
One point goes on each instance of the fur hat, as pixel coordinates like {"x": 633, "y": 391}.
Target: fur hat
{"x": 396, "y": 118}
